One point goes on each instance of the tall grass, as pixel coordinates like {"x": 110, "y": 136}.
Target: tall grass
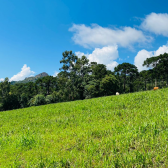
{"x": 130, "y": 130}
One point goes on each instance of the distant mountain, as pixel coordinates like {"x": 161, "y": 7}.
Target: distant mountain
{"x": 43, "y": 74}
{"x": 31, "y": 79}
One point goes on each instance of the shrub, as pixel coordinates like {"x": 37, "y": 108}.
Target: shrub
{"x": 37, "y": 100}
{"x": 49, "y": 99}
{"x": 55, "y": 96}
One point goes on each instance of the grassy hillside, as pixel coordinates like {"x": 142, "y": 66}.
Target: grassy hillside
{"x": 128, "y": 130}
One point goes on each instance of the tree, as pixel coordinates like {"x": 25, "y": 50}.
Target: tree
{"x": 30, "y": 89}
{"x": 39, "y": 87}
{"x": 74, "y": 71}
{"x": 10, "y": 102}
{"x": 152, "y": 63}
{"x": 24, "y": 100}
{"x": 145, "y": 76}
{"x": 47, "y": 82}
{"x": 109, "y": 85}
{"x": 99, "y": 71}
{"x": 83, "y": 71}
{"x": 82, "y": 66}
{"x": 4, "y": 88}
{"x": 69, "y": 59}
{"x": 18, "y": 88}
{"x": 126, "y": 71}
{"x": 91, "y": 89}
{"x": 69, "y": 73}
{"x": 159, "y": 65}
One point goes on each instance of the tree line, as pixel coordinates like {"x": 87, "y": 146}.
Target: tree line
{"x": 80, "y": 79}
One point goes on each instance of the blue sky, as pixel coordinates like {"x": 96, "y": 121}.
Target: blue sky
{"x": 34, "y": 33}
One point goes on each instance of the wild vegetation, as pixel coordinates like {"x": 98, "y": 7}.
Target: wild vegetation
{"x": 129, "y": 130}
{"x": 80, "y": 79}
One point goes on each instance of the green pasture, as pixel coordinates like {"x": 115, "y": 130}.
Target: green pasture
{"x": 129, "y": 130}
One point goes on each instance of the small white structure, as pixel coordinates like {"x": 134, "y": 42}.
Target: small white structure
{"x": 117, "y": 93}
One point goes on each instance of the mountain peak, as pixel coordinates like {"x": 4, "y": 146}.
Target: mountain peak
{"x": 43, "y": 74}
{"x": 31, "y": 79}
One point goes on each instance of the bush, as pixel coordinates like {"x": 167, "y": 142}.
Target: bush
{"x": 55, "y": 96}
{"x": 49, "y": 99}
{"x": 37, "y": 100}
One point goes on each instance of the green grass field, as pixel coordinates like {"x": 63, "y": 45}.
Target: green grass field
{"x": 129, "y": 130}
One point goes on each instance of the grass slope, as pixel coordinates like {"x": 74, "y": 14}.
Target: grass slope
{"x": 129, "y": 130}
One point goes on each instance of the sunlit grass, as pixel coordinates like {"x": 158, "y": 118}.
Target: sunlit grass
{"x": 129, "y": 130}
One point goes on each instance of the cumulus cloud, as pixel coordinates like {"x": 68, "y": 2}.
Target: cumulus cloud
{"x": 79, "y": 54}
{"x": 144, "y": 54}
{"x": 112, "y": 65}
{"x": 161, "y": 50}
{"x": 105, "y": 55}
{"x": 96, "y": 36}
{"x": 1, "y": 79}
{"x": 55, "y": 74}
{"x": 141, "y": 57}
{"x": 25, "y": 72}
{"x": 156, "y": 23}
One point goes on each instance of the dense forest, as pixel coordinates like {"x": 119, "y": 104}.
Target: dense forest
{"x": 80, "y": 79}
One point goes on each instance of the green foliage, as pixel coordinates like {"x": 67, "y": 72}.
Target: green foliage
{"x": 24, "y": 100}
{"x": 37, "y": 100}
{"x": 4, "y": 88}
{"x": 47, "y": 83}
{"x": 10, "y": 102}
{"x": 99, "y": 71}
{"x": 109, "y": 85}
{"x": 68, "y": 60}
{"x": 91, "y": 89}
{"x": 49, "y": 99}
{"x": 127, "y": 73}
{"x": 159, "y": 65}
{"x": 80, "y": 79}
{"x": 129, "y": 130}
{"x": 54, "y": 96}
{"x": 1, "y": 107}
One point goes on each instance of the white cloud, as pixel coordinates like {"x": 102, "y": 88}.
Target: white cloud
{"x": 105, "y": 55}
{"x": 55, "y": 74}
{"x": 144, "y": 54}
{"x": 156, "y": 23}
{"x": 112, "y": 65}
{"x": 79, "y": 54}
{"x": 140, "y": 58}
{"x": 1, "y": 79}
{"x": 97, "y": 36}
{"x": 161, "y": 50}
{"x": 25, "y": 72}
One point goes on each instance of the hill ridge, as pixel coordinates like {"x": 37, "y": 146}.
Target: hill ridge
{"x": 31, "y": 78}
